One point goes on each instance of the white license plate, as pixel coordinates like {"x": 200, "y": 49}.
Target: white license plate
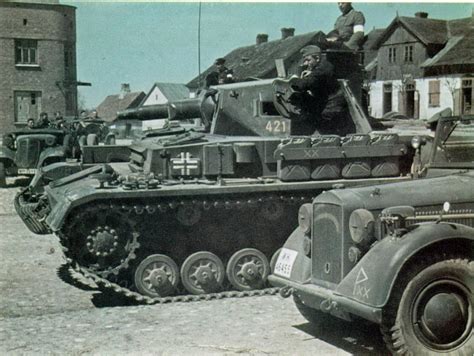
{"x": 26, "y": 170}
{"x": 285, "y": 262}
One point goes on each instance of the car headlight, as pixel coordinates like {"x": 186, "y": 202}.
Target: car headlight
{"x": 417, "y": 141}
{"x": 361, "y": 226}
{"x": 304, "y": 217}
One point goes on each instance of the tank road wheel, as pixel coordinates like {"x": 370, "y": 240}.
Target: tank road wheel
{"x": 102, "y": 240}
{"x": 434, "y": 313}
{"x": 248, "y": 269}
{"x": 202, "y": 272}
{"x": 3, "y": 180}
{"x": 157, "y": 276}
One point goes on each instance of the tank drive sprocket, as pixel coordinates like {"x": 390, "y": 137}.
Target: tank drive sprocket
{"x": 101, "y": 239}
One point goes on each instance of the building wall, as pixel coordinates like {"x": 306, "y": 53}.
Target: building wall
{"x": 54, "y": 28}
{"x": 399, "y": 39}
{"x": 155, "y": 97}
{"x": 448, "y": 84}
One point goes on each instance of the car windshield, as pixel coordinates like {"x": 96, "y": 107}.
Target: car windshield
{"x": 454, "y": 143}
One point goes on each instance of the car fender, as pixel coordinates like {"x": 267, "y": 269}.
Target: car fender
{"x": 7, "y": 155}
{"x": 51, "y": 152}
{"x": 370, "y": 282}
{"x": 301, "y": 269}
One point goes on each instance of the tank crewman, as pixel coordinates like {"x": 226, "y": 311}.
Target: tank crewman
{"x": 320, "y": 97}
{"x": 222, "y": 75}
{"x": 349, "y": 28}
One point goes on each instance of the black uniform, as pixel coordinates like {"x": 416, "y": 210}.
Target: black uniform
{"x": 323, "y": 102}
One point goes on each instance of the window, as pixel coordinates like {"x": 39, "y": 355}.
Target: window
{"x": 409, "y": 54}
{"x": 26, "y": 51}
{"x": 27, "y": 105}
{"x": 392, "y": 55}
{"x": 433, "y": 93}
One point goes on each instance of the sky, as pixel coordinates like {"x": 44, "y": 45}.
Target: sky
{"x": 141, "y": 43}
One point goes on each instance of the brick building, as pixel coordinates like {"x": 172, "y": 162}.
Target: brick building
{"x": 37, "y": 61}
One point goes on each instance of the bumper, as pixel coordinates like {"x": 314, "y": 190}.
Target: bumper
{"x": 328, "y": 301}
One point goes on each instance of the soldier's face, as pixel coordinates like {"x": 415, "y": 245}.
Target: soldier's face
{"x": 311, "y": 61}
{"x": 344, "y": 6}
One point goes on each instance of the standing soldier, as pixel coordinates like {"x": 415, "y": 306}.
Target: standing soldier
{"x": 349, "y": 28}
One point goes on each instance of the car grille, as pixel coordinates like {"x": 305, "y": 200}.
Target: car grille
{"x": 28, "y": 151}
{"x": 327, "y": 242}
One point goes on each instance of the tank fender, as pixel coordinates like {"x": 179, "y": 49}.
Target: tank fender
{"x": 371, "y": 280}
{"x": 301, "y": 270}
{"x": 7, "y": 155}
{"x": 51, "y": 152}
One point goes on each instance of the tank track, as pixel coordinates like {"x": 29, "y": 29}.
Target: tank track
{"x": 119, "y": 280}
{"x": 104, "y": 285}
{"x": 27, "y": 213}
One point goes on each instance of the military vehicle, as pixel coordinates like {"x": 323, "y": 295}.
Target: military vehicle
{"x": 24, "y": 150}
{"x": 399, "y": 255}
{"x": 206, "y": 200}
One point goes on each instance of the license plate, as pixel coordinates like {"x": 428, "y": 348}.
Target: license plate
{"x": 285, "y": 262}
{"x": 26, "y": 170}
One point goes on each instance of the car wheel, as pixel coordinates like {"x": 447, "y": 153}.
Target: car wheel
{"x": 431, "y": 310}
{"x": 3, "y": 180}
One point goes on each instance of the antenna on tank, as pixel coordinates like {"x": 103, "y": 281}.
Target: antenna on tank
{"x": 199, "y": 45}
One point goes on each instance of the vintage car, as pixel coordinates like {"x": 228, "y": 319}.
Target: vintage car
{"x": 399, "y": 254}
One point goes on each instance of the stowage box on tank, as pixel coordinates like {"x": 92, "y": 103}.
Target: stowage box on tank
{"x": 198, "y": 212}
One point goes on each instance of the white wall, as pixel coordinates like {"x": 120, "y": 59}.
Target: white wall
{"x": 422, "y": 87}
{"x": 156, "y": 97}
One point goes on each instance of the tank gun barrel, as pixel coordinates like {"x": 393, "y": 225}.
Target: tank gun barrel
{"x": 176, "y": 110}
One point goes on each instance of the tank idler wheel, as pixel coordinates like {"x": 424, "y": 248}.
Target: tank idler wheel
{"x": 157, "y": 276}
{"x": 274, "y": 259}
{"x": 202, "y": 272}
{"x": 248, "y": 269}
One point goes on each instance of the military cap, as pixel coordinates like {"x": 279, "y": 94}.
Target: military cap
{"x": 219, "y": 61}
{"x": 310, "y": 50}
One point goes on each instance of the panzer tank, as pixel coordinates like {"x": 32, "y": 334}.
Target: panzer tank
{"x": 198, "y": 213}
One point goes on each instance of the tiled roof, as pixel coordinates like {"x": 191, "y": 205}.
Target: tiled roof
{"x": 108, "y": 109}
{"x": 258, "y": 61}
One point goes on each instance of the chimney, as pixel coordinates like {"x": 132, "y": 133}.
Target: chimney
{"x": 287, "y": 32}
{"x": 421, "y": 15}
{"x": 124, "y": 90}
{"x": 262, "y": 38}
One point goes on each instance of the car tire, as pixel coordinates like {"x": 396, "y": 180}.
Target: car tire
{"x": 431, "y": 310}
{"x": 82, "y": 140}
{"x": 316, "y": 317}
{"x": 3, "y": 179}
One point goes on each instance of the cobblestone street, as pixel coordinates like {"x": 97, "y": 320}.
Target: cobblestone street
{"x": 41, "y": 314}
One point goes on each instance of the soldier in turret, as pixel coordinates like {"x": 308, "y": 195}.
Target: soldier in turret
{"x": 222, "y": 75}
{"x": 349, "y": 28}
{"x": 321, "y": 97}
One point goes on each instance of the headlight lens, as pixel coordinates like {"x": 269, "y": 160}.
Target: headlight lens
{"x": 304, "y": 217}
{"x": 361, "y": 226}
{"x": 417, "y": 141}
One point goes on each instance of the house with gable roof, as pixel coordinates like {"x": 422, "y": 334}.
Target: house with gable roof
{"x": 258, "y": 60}
{"x": 423, "y": 66}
